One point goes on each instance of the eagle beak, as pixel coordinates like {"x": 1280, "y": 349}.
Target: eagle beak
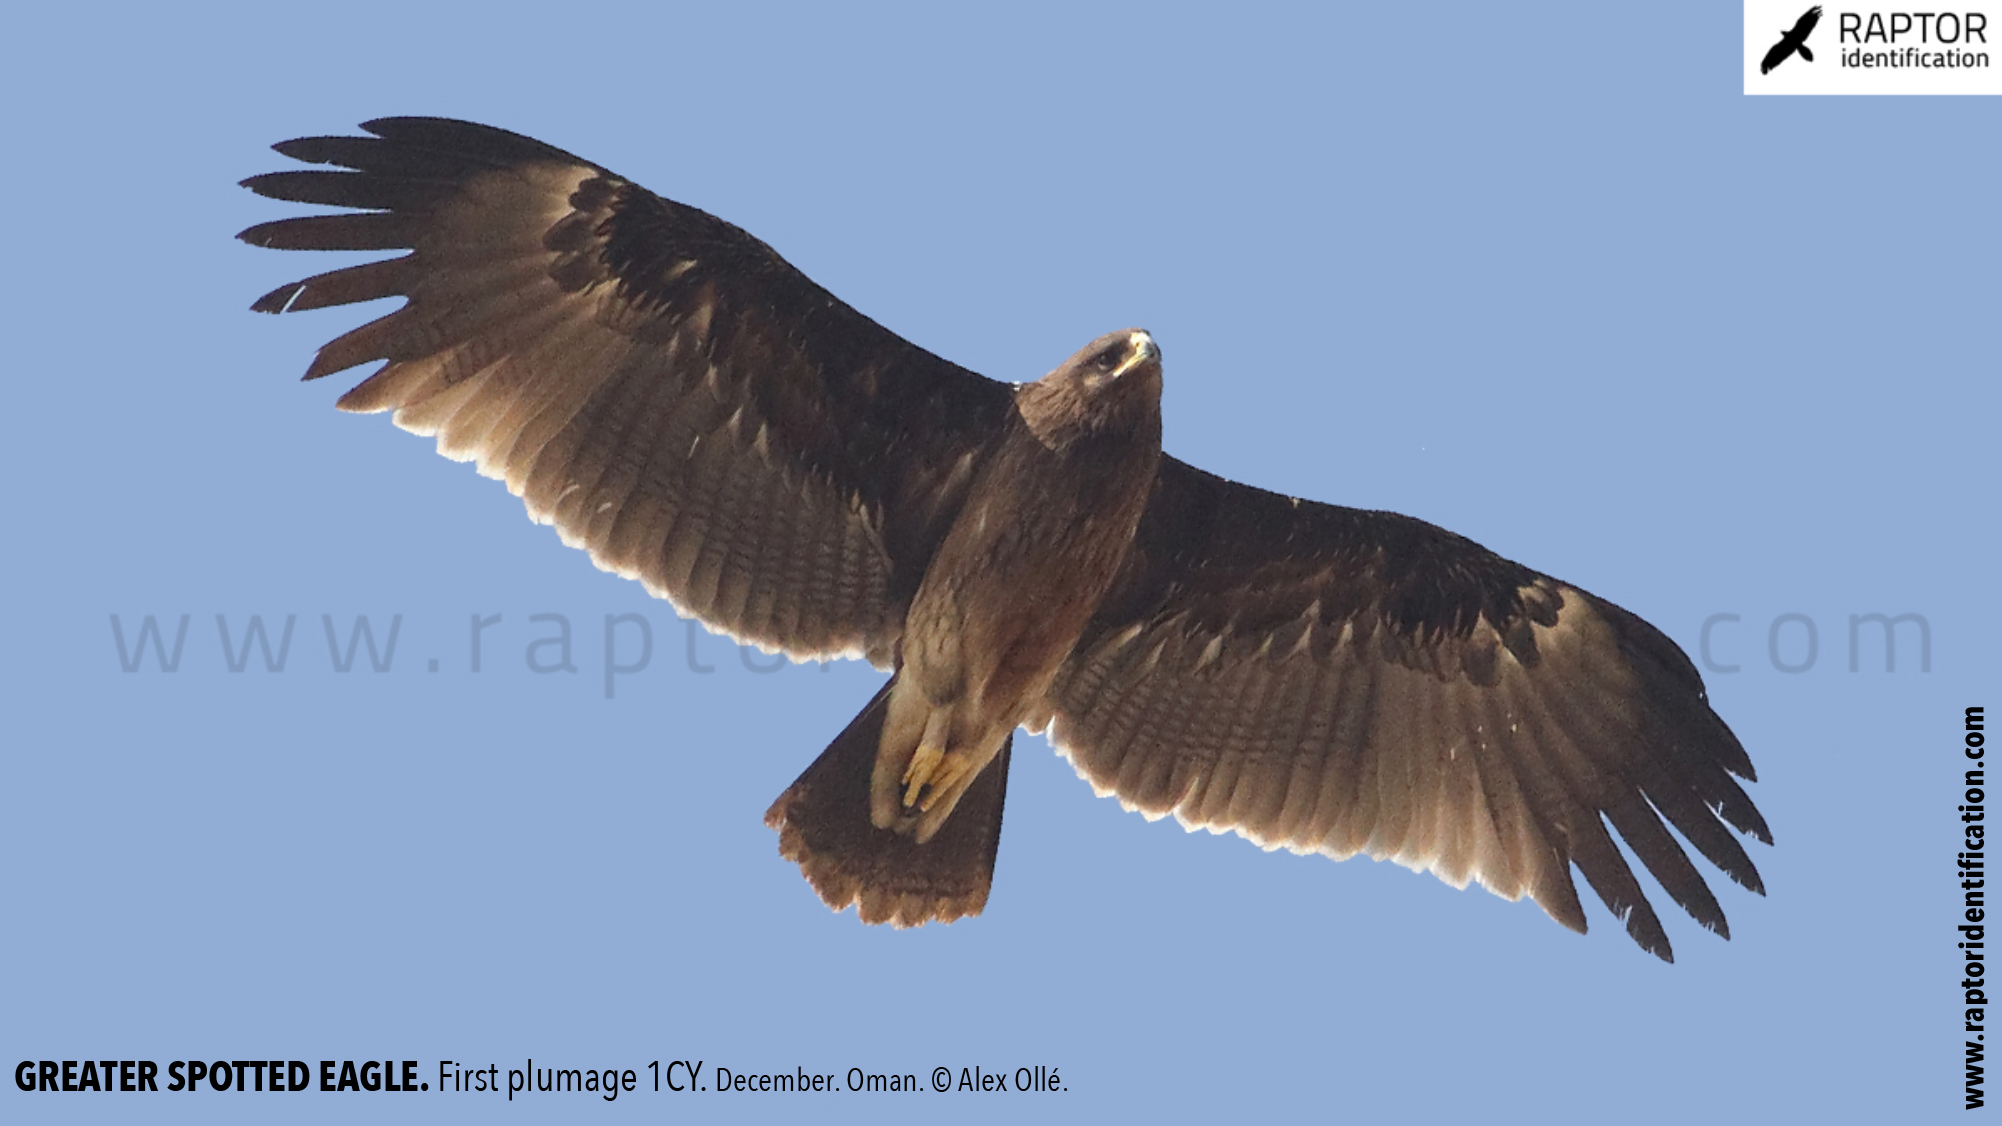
{"x": 1144, "y": 351}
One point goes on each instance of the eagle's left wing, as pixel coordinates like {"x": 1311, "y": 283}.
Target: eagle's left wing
{"x": 1332, "y": 680}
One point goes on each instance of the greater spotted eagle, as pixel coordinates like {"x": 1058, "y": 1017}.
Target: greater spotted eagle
{"x": 679, "y": 401}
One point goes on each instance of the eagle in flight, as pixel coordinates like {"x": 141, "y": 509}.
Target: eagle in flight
{"x": 682, "y": 403}
{"x": 1791, "y": 41}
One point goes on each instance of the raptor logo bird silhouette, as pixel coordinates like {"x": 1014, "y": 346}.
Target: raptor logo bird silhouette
{"x": 1791, "y": 41}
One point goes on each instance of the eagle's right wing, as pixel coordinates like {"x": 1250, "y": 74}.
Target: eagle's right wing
{"x": 662, "y": 387}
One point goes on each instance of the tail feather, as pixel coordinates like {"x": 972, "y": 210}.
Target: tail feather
{"x": 823, "y": 825}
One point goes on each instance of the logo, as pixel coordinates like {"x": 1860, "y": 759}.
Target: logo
{"x": 1872, "y": 47}
{"x": 1793, "y": 41}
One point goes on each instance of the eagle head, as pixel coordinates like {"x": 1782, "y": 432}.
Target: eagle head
{"x": 1109, "y": 388}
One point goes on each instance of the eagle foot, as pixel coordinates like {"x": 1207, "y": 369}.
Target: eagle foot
{"x": 932, "y": 773}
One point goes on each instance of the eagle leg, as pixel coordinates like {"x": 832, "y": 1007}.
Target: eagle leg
{"x": 926, "y": 760}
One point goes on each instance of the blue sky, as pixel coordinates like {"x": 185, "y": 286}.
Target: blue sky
{"x": 1543, "y": 277}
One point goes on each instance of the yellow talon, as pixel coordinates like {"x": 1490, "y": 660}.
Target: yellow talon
{"x": 923, "y": 765}
{"x": 932, "y": 773}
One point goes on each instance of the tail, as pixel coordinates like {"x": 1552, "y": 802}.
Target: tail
{"x": 823, "y": 825}
{"x": 1805, "y": 53}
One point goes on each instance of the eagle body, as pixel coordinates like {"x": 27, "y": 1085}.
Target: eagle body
{"x": 1042, "y": 535}
{"x": 677, "y": 400}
